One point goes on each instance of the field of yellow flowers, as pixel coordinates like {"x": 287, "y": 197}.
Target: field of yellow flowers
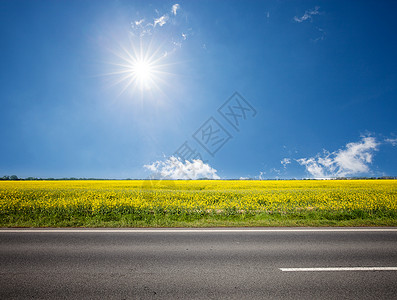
{"x": 197, "y": 203}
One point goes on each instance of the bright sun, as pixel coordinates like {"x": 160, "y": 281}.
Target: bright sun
{"x": 143, "y": 72}
{"x": 140, "y": 69}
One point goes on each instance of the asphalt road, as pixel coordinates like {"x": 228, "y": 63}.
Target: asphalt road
{"x": 197, "y": 264}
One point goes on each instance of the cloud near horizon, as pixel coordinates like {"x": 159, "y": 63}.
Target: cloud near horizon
{"x": 354, "y": 159}
{"x": 174, "y": 168}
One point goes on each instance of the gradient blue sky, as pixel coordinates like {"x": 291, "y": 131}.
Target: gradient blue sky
{"x": 321, "y": 76}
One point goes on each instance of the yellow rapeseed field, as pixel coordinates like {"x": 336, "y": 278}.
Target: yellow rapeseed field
{"x": 96, "y": 197}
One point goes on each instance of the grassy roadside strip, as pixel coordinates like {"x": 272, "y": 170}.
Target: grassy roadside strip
{"x": 66, "y": 218}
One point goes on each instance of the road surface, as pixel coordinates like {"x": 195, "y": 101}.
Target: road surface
{"x": 199, "y": 264}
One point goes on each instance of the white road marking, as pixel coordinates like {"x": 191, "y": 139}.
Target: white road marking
{"x": 339, "y": 269}
{"x": 184, "y": 230}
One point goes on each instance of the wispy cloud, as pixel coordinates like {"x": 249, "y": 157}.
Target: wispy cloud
{"x": 322, "y": 36}
{"x": 174, "y": 168}
{"x": 354, "y": 159}
{"x": 174, "y": 9}
{"x": 141, "y": 27}
{"x": 177, "y": 44}
{"x": 139, "y": 22}
{"x": 392, "y": 141}
{"x": 161, "y": 21}
{"x": 307, "y": 15}
{"x": 169, "y": 24}
{"x": 285, "y": 162}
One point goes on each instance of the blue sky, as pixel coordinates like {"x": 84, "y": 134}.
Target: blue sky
{"x": 112, "y": 89}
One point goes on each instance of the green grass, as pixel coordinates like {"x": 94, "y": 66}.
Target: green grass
{"x": 65, "y": 218}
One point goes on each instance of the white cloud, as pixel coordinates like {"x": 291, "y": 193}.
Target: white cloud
{"x": 174, "y": 168}
{"x": 352, "y": 160}
{"x": 161, "y": 21}
{"x": 175, "y": 7}
{"x": 392, "y": 141}
{"x": 137, "y": 23}
{"x": 311, "y": 165}
{"x": 307, "y": 15}
{"x": 285, "y": 162}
